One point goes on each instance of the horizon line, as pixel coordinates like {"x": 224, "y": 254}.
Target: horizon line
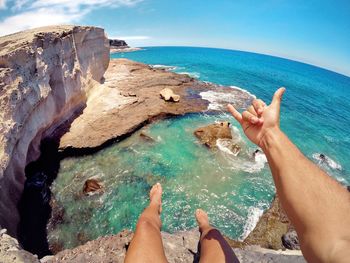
{"x": 347, "y": 75}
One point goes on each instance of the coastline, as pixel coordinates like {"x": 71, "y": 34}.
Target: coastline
{"x": 106, "y": 109}
{"x": 124, "y": 49}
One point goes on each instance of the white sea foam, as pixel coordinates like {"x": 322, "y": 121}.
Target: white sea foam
{"x": 327, "y": 161}
{"x": 195, "y": 75}
{"x": 217, "y": 99}
{"x": 254, "y": 214}
{"x": 165, "y": 67}
{"x": 225, "y": 145}
{"x": 260, "y": 158}
{"x": 244, "y": 90}
{"x": 242, "y": 161}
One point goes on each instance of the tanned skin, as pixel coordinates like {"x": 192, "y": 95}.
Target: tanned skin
{"x": 316, "y": 204}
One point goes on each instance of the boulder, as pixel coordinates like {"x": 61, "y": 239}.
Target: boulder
{"x": 208, "y": 135}
{"x": 169, "y": 95}
{"x": 290, "y": 240}
{"x": 93, "y": 186}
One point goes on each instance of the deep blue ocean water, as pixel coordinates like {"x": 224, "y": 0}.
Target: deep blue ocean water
{"x": 315, "y": 109}
{"x": 234, "y": 190}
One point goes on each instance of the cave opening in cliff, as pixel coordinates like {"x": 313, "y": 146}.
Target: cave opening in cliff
{"x": 34, "y": 205}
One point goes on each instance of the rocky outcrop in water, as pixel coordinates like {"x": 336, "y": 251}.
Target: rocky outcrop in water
{"x": 209, "y": 135}
{"x": 92, "y": 186}
{"x": 118, "y": 43}
{"x": 129, "y": 99}
{"x": 45, "y": 76}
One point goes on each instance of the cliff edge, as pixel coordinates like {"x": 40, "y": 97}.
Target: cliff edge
{"x": 45, "y": 75}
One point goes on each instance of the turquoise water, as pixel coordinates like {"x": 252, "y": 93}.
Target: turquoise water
{"x": 315, "y": 110}
{"x": 233, "y": 189}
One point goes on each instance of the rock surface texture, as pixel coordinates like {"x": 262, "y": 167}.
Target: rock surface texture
{"x": 179, "y": 247}
{"x": 168, "y": 95}
{"x": 45, "y": 75}
{"x": 209, "y": 135}
{"x": 129, "y": 99}
{"x": 11, "y": 252}
{"x": 272, "y": 226}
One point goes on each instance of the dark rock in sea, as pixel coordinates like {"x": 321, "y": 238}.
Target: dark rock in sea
{"x": 146, "y": 137}
{"x": 290, "y": 240}
{"x": 118, "y": 43}
{"x": 92, "y": 186}
{"x": 208, "y": 135}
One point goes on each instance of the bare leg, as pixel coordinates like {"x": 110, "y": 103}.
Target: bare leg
{"x": 147, "y": 245}
{"x": 213, "y": 246}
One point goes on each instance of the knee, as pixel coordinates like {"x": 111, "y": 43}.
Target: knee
{"x": 148, "y": 224}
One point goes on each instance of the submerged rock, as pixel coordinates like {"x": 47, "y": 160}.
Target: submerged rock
{"x": 146, "y": 137}
{"x": 169, "y": 95}
{"x": 209, "y": 135}
{"x": 93, "y": 186}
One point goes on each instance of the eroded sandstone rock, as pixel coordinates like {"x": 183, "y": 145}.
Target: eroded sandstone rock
{"x": 45, "y": 76}
{"x": 169, "y": 95}
{"x": 273, "y": 224}
{"x": 11, "y": 252}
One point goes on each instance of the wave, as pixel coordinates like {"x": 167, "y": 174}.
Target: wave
{"x": 242, "y": 161}
{"x": 219, "y": 100}
{"x": 165, "y": 67}
{"x": 227, "y": 146}
{"x": 254, "y": 214}
{"x": 244, "y": 90}
{"x": 195, "y": 75}
{"x": 323, "y": 159}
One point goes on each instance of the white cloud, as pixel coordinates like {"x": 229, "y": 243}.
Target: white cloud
{"x": 37, "y": 18}
{"x": 31, "y": 14}
{"x": 2, "y": 4}
{"x": 131, "y": 37}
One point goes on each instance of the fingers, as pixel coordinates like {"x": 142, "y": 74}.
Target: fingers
{"x": 235, "y": 113}
{"x": 277, "y": 97}
{"x": 249, "y": 117}
{"x": 259, "y": 106}
{"x": 251, "y": 109}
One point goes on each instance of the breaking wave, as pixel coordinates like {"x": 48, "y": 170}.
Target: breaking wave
{"x": 254, "y": 214}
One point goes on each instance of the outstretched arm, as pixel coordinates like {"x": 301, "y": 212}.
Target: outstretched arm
{"x": 316, "y": 204}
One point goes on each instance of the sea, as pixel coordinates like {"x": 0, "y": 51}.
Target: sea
{"x": 233, "y": 188}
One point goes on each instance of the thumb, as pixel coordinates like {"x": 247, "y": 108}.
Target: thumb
{"x": 277, "y": 97}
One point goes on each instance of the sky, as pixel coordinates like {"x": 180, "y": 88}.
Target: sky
{"x": 312, "y": 31}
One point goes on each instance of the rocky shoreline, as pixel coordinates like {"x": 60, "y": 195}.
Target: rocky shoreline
{"x": 55, "y": 84}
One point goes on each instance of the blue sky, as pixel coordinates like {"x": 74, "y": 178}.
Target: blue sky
{"x": 315, "y": 32}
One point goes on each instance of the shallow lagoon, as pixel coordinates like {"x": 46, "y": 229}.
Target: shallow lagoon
{"x": 231, "y": 188}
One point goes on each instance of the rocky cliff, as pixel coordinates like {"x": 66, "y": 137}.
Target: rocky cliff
{"x": 45, "y": 76}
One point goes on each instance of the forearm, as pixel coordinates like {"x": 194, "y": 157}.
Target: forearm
{"x": 317, "y": 205}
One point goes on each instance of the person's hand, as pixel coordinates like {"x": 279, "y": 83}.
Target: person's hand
{"x": 259, "y": 118}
